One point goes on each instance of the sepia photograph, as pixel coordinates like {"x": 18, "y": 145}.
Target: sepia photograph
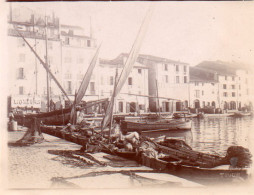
{"x": 127, "y": 95}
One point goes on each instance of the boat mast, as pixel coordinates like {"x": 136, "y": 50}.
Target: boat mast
{"x": 46, "y": 60}
{"x": 35, "y": 60}
{"x": 157, "y": 94}
{"x": 114, "y": 96}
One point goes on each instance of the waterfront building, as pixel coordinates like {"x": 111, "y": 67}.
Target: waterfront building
{"x": 134, "y": 94}
{"x": 77, "y": 51}
{"x": 234, "y": 88}
{"x": 168, "y": 80}
{"x": 65, "y": 48}
{"x": 203, "y": 89}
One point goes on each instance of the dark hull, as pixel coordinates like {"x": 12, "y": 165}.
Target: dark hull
{"x": 204, "y": 176}
{"x": 153, "y": 126}
{"x": 55, "y": 131}
{"x": 57, "y": 117}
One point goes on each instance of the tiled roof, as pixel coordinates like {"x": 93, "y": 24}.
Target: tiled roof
{"x": 202, "y": 75}
{"x": 221, "y": 68}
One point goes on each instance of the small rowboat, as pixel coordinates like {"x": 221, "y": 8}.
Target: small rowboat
{"x": 166, "y": 125}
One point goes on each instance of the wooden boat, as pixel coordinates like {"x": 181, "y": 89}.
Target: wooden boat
{"x": 242, "y": 114}
{"x": 184, "y": 115}
{"x": 179, "y": 159}
{"x": 165, "y": 125}
{"x": 56, "y": 117}
{"x": 207, "y": 176}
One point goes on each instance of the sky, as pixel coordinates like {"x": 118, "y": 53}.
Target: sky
{"x": 189, "y": 32}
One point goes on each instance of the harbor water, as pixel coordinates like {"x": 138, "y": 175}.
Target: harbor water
{"x": 214, "y": 134}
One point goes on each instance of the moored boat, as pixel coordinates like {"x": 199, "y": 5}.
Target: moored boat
{"x": 165, "y": 125}
{"x": 242, "y": 114}
{"x": 207, "y": 176}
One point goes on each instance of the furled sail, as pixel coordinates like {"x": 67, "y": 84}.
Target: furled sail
{"x": 84, "y": 84}
{"x": 128, "y": 66}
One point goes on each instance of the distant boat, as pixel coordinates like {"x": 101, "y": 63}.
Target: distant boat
{"x": 184, "y": 115}
{"x": 162, "y": 125}
{"x": 242, "y": 114}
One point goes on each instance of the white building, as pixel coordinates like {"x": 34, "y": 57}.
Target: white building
{"x": 228, "y": 86}
{"x": 203, "y": 89}
{"x": 66, "y": 49}
{"x": 133, "y": 96}
{"x": 170, "y": 79}
{"x": 77, "y": 51}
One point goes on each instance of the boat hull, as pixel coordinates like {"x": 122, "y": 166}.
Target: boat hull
{"x": 205, "y": 176}
{"x": 58, "y": 117}
{"x": 155, "y": 126}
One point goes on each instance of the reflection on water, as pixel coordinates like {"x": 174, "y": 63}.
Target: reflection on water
{"x": 214, "y": 134}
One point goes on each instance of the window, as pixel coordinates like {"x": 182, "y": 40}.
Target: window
{"x": 233, "y": 78}
{"x": 196, "y": 83}
{"x": 197, "y": 93}
{"x": 139, "y": 71}
{"x": 240, "y": 87}
{"x": 111, "y": 80}
{"x": 165, "y": 67}
{"x": 185, "y": 68}
{"x": 68, "y": 76}
{"x": 233, "y": 94}
{"x": 22, "y": 57}
{"x": 21, "y": 73}
{"x": 202, "y": 92}
{"x": 224, "y": 86}
{"x": 102, "y": 93}
{"x": 166, "y": 78}
{"x": 177, "y": 79}
{"x": 177, "y": 68}
{"x": 226, "y": 78}
{"x": 212, "y": 84}
{"x": 21, "y": 43}
{"x": 88, "y": 43}
{"x": 233, "y": 86}
{"x": 225, "y": 94}
{"x": 130, "y": 81}
{"x": 120, "y": 106}
{"x": 21, "y": 90}
{"x": 67, "y": 40}
{"x": 92, "y": 88}
{"x": 185, "y": 79}
{"x": 69, "y": 87}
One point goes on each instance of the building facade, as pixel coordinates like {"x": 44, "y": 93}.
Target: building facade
{"x": 65, "y": 49}
{"x": 168, "y": 80}
{"x": 133, "y": 96}
{"x": 222, "y": 85}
